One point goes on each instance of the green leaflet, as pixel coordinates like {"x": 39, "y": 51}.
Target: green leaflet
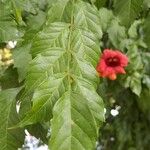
{"x": 135, "y": 83}
{"x": 132, "y": 32}
{"x": 135, "y": 69}
{"x": 39, "y": 130}
{"x": 117, "y": 34}
{"x": 134, "y": 58}
{"x": 30, "y": 6}
{"x": 8, "y": 29}
{"x": 63, "y": 80}
{"x": 21, "y": 58}
{"x": 9, "y": 79}
{"x": 106, "y": 16}
{"x": 62, "y": 11}
{"x": 147, "y": 31}
{"x": 127, "y": 10}
{"x": 87, "y": 17}
{"x": 143, "y": 101}
{"x": 9, "y": 138}
{"x": 11, "y": 13}
{"x": 21, "y": 54}
{"x": 100, "y": 3}
{"x": 146, "y": 4}
{"x": 54, "y": 35}
{"x": 71, "y": 122}
{"x": 44, "y": 98}
{"x": 146, "y": 61}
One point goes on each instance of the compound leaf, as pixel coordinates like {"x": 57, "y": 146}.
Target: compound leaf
{"x": 63, "y": 81}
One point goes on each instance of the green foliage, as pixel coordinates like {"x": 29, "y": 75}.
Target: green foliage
{"x": 147, "y": 30}
{"x": 59, "y": 43}
{"x": 128, "y": 130}
{"x": 127, "y": 10}
{"x": 9, "y": 139}
{"x": 22, "y": 57}
{"x": 63, "y": 79}
{"x": 105, "y": 18}
{"x": 116, "y": 33}
{"x": 9, "y": 79}
{"x": 8, "y": 29}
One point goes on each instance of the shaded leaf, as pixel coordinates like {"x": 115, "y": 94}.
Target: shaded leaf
{"x": 39, "y": 131}
{"x": 135, "y": 60}
{"x": 8, "y": 27}
{"x": 135, "y": 83}
{"x": 9, "y": 78}
{"x": 100, "y": 3}
{"x": 127, "y": 10}
{"x": 146, "y": 4}
{"x": 144, "y": 101}
{"x": 106, "y": 17}
{"x": 147, "y": 31}
{"x": 133, "y": 30}
{"x": 21, "y": 54}
{"x": 9, "y": 139}
{"x": 117, "y": 34}
{"x": 22, "y": 58}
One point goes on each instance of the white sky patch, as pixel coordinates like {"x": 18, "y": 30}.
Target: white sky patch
{"x": 17, "y": 107}
{"x": 11, "y": 44}
{"x": 44, "y": 147}
{"x": 114, "y": 112}
{"x": 31, "y": 142}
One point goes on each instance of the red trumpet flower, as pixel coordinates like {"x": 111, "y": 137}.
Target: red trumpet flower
{"x": 112, "y": 63}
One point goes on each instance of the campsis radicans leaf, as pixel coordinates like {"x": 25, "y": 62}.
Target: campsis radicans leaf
{"x": 111, "y": 63}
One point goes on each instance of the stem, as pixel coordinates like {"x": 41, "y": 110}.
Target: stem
{"x": 69, "y": 54}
